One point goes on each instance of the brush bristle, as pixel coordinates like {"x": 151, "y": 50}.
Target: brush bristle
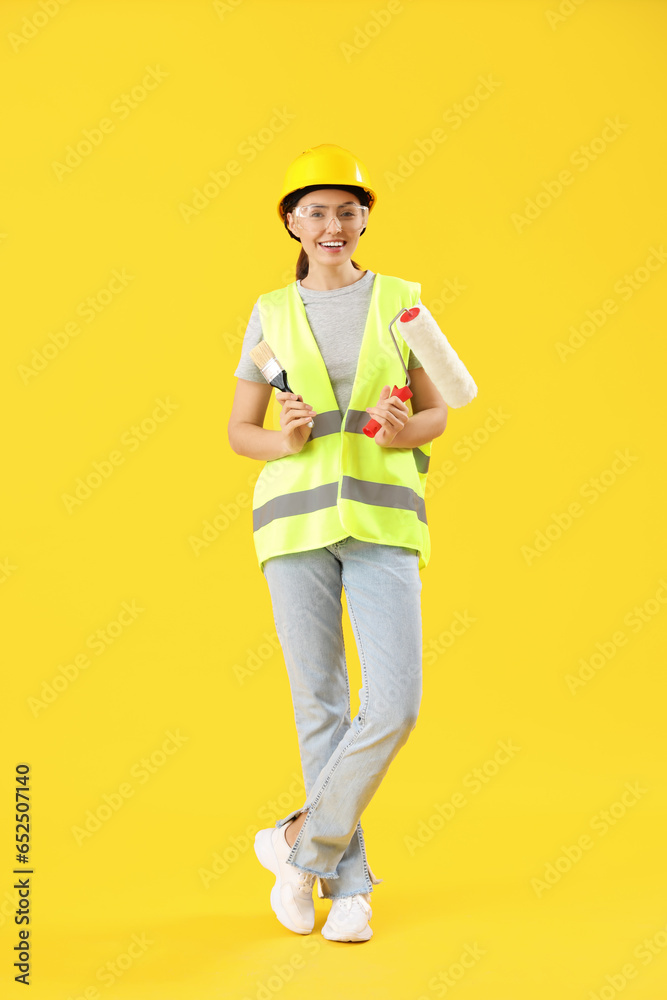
{"x": 266, "y": 361}
{"x": 262, "y": 354}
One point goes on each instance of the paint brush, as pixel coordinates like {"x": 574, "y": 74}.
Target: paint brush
{"x": 272, "y": 370}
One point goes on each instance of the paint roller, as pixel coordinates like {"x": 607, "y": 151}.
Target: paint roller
{"x": 439, "y": 359}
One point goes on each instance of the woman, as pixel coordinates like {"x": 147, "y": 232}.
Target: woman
{"x": 333, "y": 508}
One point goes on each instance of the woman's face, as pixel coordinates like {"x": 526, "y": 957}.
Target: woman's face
{"x": 327, "y": 229}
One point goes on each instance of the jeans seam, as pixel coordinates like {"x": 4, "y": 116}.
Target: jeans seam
{"x": 362, "y": 849}
{"x": 362, "y": 657}
{"x": 347, "y": 678}
{"x": 355, "y": 736}
{"x": 362, "y": 709}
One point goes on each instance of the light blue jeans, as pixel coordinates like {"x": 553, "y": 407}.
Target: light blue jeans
{"x": 343, "y": 760}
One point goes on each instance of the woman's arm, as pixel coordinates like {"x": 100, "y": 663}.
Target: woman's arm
{"x": 248, "y": 436}
{"x": 246, "y": 431}
{"x": 429, "y": 414}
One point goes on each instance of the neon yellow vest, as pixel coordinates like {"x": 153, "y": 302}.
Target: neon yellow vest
{"x": 341, "y": 483}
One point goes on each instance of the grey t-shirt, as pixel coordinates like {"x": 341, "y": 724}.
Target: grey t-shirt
{"x": 337, "y": 318}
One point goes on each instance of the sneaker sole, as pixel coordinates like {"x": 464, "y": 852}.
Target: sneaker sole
{"x": 365, "y": 935}
{"x": 267, "y": 858}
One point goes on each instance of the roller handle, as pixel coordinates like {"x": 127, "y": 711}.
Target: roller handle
{"x": 373, "y": 426}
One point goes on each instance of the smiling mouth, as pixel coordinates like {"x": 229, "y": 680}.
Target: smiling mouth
{"x": 333, "y": 243}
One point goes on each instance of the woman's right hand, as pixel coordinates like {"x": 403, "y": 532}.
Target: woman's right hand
{"x": 294, "y": 418}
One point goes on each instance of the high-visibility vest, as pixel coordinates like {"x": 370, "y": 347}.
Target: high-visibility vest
{"x": 341, "y": 482}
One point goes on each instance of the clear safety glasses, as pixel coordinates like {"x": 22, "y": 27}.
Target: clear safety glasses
{"x": 315, "y": 218}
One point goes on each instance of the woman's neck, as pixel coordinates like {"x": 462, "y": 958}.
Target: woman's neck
{"x": 325, "y": 279}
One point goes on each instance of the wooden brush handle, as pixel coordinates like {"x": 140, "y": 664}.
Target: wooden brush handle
{"x": 373, "y": 426}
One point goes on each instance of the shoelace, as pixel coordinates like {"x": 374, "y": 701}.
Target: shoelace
{"x": 304, "y": 882}
{"x": 346, "y": 903}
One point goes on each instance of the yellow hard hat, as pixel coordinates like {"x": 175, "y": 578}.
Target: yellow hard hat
{"x": 324, "y": 166}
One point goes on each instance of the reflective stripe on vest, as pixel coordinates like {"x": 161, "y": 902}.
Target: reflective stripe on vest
{"x": 356, "y": 420}
{"x": 306, "y": 501}
{"x": 341, "y": 482}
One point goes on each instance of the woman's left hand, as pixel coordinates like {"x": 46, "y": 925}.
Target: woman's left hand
{"x": 391, "y": 413}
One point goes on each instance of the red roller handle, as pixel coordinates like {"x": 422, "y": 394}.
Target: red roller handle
{"x": 373, "y": 426}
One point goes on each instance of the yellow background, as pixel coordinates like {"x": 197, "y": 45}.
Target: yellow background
{"x": 200, "y": 659}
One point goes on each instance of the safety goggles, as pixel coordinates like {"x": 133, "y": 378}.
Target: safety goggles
{"x": 315, "y": 218}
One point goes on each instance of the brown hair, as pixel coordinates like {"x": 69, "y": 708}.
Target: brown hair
{"x": 289, "y": 203}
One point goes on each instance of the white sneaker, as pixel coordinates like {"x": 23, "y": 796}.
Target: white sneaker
{"x": 292, "y": 893}
{"x": 348, "y": 918}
